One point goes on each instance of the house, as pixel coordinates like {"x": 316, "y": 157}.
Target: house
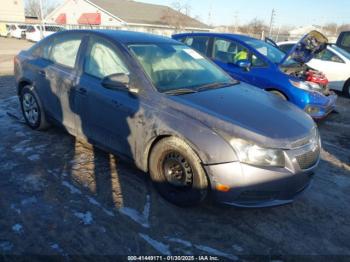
{"x": 125, "y": 15}
{"x": 12, "y": 11}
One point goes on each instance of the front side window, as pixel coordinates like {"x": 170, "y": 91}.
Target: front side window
{"x": 274, "y": 54}
{"x": 229, "y": 52}
{"x": 174, "y": 66}
{"x": 200, "y": 43}
{"x": 103, "y": 60}
{"x": 286, "y": 48}
{"x": 65, "y": 50}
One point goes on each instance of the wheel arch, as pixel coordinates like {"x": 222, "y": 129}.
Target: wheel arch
{"x": 23, "y": 83}
{"x": 278, "y": 90}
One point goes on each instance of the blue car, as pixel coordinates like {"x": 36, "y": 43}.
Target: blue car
{"x": 263, "y": 65}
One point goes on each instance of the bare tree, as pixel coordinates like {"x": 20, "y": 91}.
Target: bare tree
{"x": 32, "y": 8}
{"x": 177, "y": 16}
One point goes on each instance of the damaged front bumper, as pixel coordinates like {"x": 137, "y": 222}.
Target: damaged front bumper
{"x": 244, "y": 185}
{"x": 317, "y": 111}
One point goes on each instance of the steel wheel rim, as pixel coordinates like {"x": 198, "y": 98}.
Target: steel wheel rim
{"x": 30, "y": 108}
{"x": 177, "y": 170}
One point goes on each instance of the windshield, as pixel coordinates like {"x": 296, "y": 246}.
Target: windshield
{"x": 272, "y": 53}
{"x": 341, "y": 51}
{"x": 172, "y": 67}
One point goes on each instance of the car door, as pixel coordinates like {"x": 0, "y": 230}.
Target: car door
{"x": 62, "y": 75}
{"x": 105, "y": 116}
{"x": 199, "y": 43}
{"x": 227, "y": 54}
{"x": 344, "y": 41}
{"x": 332, "y": 66}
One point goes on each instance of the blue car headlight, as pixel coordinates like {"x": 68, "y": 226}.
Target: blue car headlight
{"x": 301, "y": 85}
{"x": 253, "y": 154}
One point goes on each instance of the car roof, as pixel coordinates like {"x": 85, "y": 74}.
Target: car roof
{"x": 125, "y": 37}
{"x": 224, "y": 35}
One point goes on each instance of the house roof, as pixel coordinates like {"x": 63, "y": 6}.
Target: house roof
{"x": 143, "y": 13}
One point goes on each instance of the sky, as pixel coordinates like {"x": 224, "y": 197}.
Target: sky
{"x": 288, "y": 12}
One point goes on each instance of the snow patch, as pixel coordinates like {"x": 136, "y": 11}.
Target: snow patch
{"x": 160, "y": 247}
{"x": 17, "y": 228}
{"x": 35, "y": 157}
{"x": 238, "y": 248}
{"x": 17, "y": 210}
{"x": 180, "y": 241}
{"x": 29, "y": 201}
{"x": 72, "y": 189}
{"x": 140, "y": 218}
{"x": 6, "y": 246}
{"x": 86, "y": 218}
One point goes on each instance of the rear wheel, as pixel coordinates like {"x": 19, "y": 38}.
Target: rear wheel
{"x": 279, "y": 94}
{"x": 32, "y": 109}
{"x": 177, "y": 173}
{"x": 346, "y": 89}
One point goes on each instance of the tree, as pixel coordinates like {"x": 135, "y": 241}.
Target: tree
{"x": 32, "y": 8}
{"x": 177, "y": 16}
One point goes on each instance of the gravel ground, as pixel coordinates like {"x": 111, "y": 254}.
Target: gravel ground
{"x": 61, "y": 197}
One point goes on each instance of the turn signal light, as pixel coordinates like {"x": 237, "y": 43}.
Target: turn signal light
{"x": 222, "y": 188}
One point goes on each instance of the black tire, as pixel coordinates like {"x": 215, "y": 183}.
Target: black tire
{"x": 279, "y": 94}
{"x": 346, "y": 89}
{"x": 40, "y": 121}
{"x": 192, "y": 188}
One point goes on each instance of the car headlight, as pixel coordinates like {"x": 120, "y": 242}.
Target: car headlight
{"x": 253, "y": 154}
{"x": 301, "y": 84}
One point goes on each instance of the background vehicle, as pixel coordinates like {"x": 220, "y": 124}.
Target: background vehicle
{"x": 34, "y": 34}
{"x": 263, "y": 65}
{"x": 172, "y": 112}
{"x": 4, "y": 30}
{"x": 17, "y": 31}
{"x": 334, "y": 62}
{"x": 344, "y": 41}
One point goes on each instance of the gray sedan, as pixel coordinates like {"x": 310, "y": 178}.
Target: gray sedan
{"x": 173, "y": 113}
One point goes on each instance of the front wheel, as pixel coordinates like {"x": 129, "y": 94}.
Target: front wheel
{"x": 32, "y": 109}
{"x": 177, "y": 173}
{"x": 279, "y": 94}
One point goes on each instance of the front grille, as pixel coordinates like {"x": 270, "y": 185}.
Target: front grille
{"x": 308, "y": 159}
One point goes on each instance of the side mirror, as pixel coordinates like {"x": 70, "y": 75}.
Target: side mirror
{"x": 244, "y": 64}
{"x": 118, "y": 82}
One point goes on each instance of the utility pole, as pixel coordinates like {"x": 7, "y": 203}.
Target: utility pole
{"x": 236, "y": 21}
{"x": 272, "y": 21}
{"x": 41, "y": 18}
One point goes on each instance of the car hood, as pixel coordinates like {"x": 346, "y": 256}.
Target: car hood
{"x": 249, "y": 113}
{"x": 307, "y": 48}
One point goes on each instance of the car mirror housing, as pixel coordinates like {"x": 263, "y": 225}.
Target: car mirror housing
{"x": 119, "y": 81}
{"x": 244, "y": 64}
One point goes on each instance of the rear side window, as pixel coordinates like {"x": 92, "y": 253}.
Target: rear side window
{"x": 103, "y": 60}
{"x": 199, "y": 43}
{"x": 329, "y": 56}
{"x": 65, "y": 49}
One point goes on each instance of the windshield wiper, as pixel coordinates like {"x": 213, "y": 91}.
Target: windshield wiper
{"x": 180, "y": 91}
{"x": 215, "y": 85}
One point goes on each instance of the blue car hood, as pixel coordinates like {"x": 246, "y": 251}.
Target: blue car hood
{"x": 247, "y": 112}
{"x": 307, "y": 48}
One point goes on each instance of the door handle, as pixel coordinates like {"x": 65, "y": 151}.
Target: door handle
{"x": 42, "y": 73}
{"x": 82, "y": 91}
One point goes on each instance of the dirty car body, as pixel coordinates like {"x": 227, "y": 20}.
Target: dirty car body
{"x": 265, "y": 66}
{"x": 256, "y": 150}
